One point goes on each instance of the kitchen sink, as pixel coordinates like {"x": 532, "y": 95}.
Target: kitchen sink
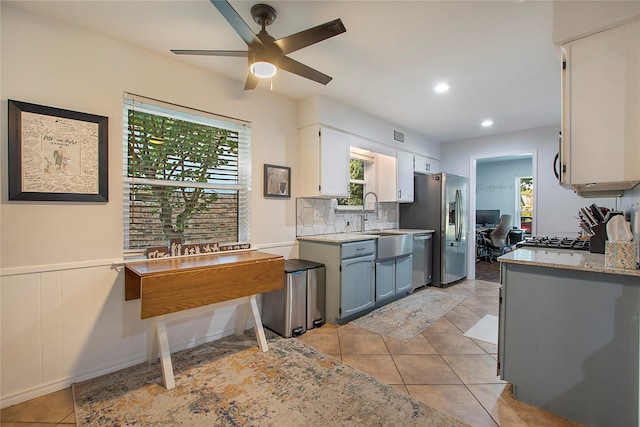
{"x": 392, "y": 245}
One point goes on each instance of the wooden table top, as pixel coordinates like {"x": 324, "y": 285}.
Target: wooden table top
{"x": 194, "y": 262}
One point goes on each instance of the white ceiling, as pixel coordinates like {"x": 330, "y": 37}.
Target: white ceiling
{"x": 496, "y": 55}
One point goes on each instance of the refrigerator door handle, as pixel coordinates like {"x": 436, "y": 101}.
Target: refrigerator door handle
{"x": 461, "y": 215}
{"x": 458, "y": 215}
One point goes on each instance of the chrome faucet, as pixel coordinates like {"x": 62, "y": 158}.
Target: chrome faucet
{"x": 364, "y": 204}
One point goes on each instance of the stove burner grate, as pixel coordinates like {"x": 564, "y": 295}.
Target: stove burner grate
{"x": 555, "y": 242}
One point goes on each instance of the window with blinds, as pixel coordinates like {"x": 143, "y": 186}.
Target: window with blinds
{"x": 186, "y": 175}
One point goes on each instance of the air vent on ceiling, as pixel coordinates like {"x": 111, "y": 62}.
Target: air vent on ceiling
{"x": 398, "y": 136}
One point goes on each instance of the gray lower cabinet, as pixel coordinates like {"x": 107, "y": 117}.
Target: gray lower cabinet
{"x": 357, "y": 285}
{"x": 350, "y": 276}
{"x": 404, "y": 275}
{"x": 385, "y": 280}
{"x": 569, "y": 342}
{"x": 393, "y": 278}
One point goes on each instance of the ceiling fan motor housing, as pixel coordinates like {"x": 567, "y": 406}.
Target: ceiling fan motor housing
{"x": 263, "y": 14}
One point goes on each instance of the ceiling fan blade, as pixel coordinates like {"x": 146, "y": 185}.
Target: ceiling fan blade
{"x": 238, "y": 24}
{"x": 252, "y": 82}
{"x": 310, "y": 36}
{"x": 238, "y": 53}
{"x": 302, "y": 70}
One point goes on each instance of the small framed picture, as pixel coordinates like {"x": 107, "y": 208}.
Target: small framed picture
{"x": 277, "y": 181}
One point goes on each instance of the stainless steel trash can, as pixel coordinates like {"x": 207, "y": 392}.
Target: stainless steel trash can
{"x": 284, "y": 310}
{"x": 299, "y": 306}
{"x": 315, "y": 292}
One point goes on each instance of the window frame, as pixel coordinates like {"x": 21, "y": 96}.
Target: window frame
{"x": 368, "y": 172}
{"x": 242, "y": 185}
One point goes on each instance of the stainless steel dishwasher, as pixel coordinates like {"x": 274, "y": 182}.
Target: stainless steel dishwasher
{"x": 422, "y": 259}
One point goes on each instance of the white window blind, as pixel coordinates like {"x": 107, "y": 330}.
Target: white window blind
{"x": 186, "y": 175}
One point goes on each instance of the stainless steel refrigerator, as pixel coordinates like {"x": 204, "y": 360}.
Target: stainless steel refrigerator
{"x": 441, "y": 204}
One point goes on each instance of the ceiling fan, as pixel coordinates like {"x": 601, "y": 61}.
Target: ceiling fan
{"x": 265, "y": 53}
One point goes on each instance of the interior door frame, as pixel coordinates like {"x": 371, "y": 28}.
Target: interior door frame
{"x": 473, "y": 160}
{"x": 517, "y": 219}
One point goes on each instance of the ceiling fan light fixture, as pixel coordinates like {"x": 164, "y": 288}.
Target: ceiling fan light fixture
{"x": 263, "y": 69}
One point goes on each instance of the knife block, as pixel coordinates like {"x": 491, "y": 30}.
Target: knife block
{"x": 597, "y": 241}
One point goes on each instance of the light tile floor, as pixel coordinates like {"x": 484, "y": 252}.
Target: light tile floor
{"x": 440, "y": 367}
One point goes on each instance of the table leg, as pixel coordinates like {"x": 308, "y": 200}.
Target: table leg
{"x": 161, "y": 345}
{"x": 257, "y": 324}
{"x": 242, "y": 314}
{"x": 152, "y": 345}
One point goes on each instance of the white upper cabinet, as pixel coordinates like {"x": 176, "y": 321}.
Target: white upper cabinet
{"x": 425, "y": 165}
{"x": 600, "y": 145}
{"x": 405, "y": 176}
{"x": 324, "y": 162}
{"x": 395, "y": 177}
{"x": 386, "y": 186}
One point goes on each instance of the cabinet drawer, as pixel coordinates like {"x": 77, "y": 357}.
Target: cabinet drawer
{"x": 356, "y": 249}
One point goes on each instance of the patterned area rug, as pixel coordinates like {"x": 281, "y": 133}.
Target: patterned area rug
{"x": 231, "y": 383}
{"x": 405, "y": 318}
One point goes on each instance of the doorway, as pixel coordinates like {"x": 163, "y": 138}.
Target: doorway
{"x": 493, "y": 186}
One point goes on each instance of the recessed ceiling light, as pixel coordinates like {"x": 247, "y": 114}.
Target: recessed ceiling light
{"x": 441, "y": 88}
{"x": 487, "y": 123}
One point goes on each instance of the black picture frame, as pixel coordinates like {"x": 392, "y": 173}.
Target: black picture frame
{"x": 277, "y": 181}
{"x": 56, "y": 154}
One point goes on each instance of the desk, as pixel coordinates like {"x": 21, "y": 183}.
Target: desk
{"x": 174, "y": 284}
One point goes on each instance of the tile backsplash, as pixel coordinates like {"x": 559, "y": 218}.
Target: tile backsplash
{"x": 322, "y": 216}
{"x": 629, "y": 203}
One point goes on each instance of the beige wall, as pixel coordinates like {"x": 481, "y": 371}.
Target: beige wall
{"x": 50, "y": 64}
{"x": 62, "y": 313}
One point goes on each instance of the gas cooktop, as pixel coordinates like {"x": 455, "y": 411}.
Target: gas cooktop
{"x": 555, "y": 243}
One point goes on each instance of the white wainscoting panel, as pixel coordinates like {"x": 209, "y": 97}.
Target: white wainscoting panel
{"x": 21, "y": 329}
{"x": 70, "y": 324}
{"x": 51, "y": 321}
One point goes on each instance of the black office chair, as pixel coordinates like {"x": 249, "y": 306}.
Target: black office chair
{"x": 495, "y": 243}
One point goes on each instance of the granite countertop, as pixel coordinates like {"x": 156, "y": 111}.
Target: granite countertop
{"x": 358, "y": 236}
{"x": 562, "y": 258}
{"x": 338, "y": 237}
{"x": 410, "y": 230}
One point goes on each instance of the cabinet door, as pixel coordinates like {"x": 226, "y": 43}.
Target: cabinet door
{"x": 385, "y": 279}
{"x": 334, "y": 163}
{"x": 420, "y": 164}
{"x": 433, "y": 165}
{"x": 357, "y": 285}
{"x": 601, "y": 106}
{"x": 403, "y": 273}
{"x": 405, "y": 176}
{"x": 387, "y": 187}
{"x": 425, "y": 165}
